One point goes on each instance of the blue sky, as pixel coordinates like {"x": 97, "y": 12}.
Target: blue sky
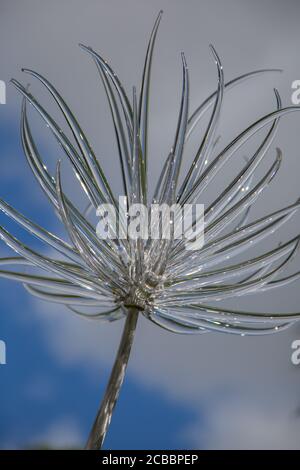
{"x": 37, "y": 393}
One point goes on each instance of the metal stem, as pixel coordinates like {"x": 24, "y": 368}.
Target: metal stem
{"x": 103, "y": 418}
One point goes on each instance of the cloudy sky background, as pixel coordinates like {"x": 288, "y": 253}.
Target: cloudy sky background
{"x": 211, "y": 391}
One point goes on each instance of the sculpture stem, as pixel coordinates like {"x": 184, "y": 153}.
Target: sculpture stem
{"x": 103, "y": 418}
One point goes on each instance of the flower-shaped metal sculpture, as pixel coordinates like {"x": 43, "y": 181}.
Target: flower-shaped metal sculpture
{"x": 171, "y": 286}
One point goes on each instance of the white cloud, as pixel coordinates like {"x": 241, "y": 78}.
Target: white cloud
{"x": 241, "y": 425}
{"x": 62, "y": 434}
{"x": 231, "y": 379}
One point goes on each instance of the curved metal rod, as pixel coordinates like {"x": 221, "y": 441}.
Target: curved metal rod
{"x": 103, "y": 418}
